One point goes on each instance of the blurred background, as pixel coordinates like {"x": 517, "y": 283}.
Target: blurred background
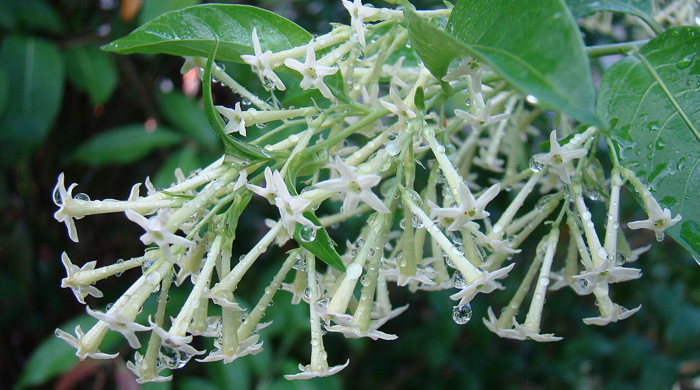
{"x": 110, "y": 121}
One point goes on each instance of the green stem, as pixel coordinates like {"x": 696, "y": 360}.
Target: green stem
{"x": 614, "y": 48}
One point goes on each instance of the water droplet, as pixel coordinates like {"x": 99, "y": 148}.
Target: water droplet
{"x": 532, "y": 99}
{"x": 685, "y": 62}
{"x": 535, "y": 165}
{"x": 300, "y": 263}
{"x": 307, "y": 233}
{"x": 461, "y": 314}
{"x": 365, "y": 280}
{"x": 458, "y": 280}
{"x": 82, "y": 197}
{"x": 393, "y": 148}
{"x": 416, "y": 222}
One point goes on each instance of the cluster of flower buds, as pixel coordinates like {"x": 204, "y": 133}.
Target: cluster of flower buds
{"x": 423, "y": 168}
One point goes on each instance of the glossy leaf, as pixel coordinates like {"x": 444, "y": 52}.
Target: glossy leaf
{"x": 186, "y": 114}
{"x": 651, "y": 100}
{"x": 322, "y": 245}
{"x": 54, "y": 356}
{"x": 92, "y": 71}
{"x": 643, "y": 9}
{"x": 538, "y": 49}
{"x": 124, "y": 145}
{"x": 35, "y": 76}
{"x": 195, "y": 30}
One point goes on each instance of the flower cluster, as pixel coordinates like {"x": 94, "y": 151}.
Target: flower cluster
{"x": 382, "y": 147}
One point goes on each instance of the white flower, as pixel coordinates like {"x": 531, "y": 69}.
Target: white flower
{"x": 236, "y": 123}
{"x": 468, "y": 209}
{"x": 177, "y": 342}
{"x": 80, "y": 291}
{"x": 291, "y": 208}
{"x": 658, "y": 221}
{"x": 618, "y": 313}
{"x": 83, "y": 351}
{"x": 483, "y": 119}
{"x": 269, "y": 190}
{"x": 518, "y": 332}
{"x": 466, "y": 66}
{"x": 156, "y": 231}
{"x": 261, "y": 64}
{"x": 485, "y": 284}
{"x": 347, "y": 328}
{"x": 313, "y": 73}
{"x": 143, "y": 373}
{"x": 355, "y": 187}
{"x": 398, "y": 108}
{"x": 607, "y": 273}
{"x": 358, "y": 13}
{"x": 249, "y": 346}
{"x": 119, "y": 323}
{"x": 64, "y": 199}
{"x": 308, "y": 372}
{"x": 558, "y": 157}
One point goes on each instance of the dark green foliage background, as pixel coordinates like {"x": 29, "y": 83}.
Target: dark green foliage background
{"x": 654, "y": 349}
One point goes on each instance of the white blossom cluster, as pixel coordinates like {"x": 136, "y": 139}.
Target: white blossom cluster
{"x": 441, "y": 181}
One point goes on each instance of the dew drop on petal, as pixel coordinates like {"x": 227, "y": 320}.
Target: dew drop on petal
{"x": 82, "y": 196}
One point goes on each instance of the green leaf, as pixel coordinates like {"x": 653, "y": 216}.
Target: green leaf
{"x": 232, "y": 145}
{"x": 581, "y": 8}
{"x": 154, "y": 8}
{"x": 92, "y": 71}
{"x": 195, "y": 30}
{"x": 538, "y": 49}
{"x": 644, "y": 9}
{"x": 54, "y": 356}
{"x": 35, "y": 76}
{"x": 123, "y": 145}
{"x": 651, "y": 100}
{"x": 322, "y": 245}
{"x": 36, "y": 16}
{"x": 187, "y": 115}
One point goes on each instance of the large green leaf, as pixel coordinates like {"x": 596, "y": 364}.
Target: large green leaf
{"x": 652, "y": 100}
{"x": 186, "y": 114}
{"x": 92, "y": 71}
{"x": 640, "y": 8}
{"x": 35, "y": 78}
{"x": 535, "y": 47}
{"x": 123, "y": 145}
{"x": 194, "y": 31}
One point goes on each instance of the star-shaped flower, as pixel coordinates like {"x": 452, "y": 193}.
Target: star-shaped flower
{"x": 399, "y": 107}
{"x": 80, "y": 291}
{"x": 261, "y": 64}
{"x": 485, "y": 284}
{"x": 64, "y": 200}
{"x": 358, "y": 13}
{"x": 313, "y": 73}
{"x": 119, "y": 323}
{"x": 350, "y": 330}
{"x": 558, "y": 157}
{"x": 607, "y": 273}
{"x": 156, "y": 231}
{"x": 291, "y": 208}
{"x": 658, "y": 221}
{"x": 618, "y": 313}
{"x": 267, "y": 192}
{"x": 249, "y": 346}
{"x": 355, "y": 187}
{"x": 468, "y": 209}
{"x": 83, "y": 351}
{"x": 177, "y": 342}
{"x": 518, "y": 332}
{"x": 483, "y": 119}
{"x": 144, "y": 373}
{"x": 236, "y": 123}
{"x": 309, "y": 371}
